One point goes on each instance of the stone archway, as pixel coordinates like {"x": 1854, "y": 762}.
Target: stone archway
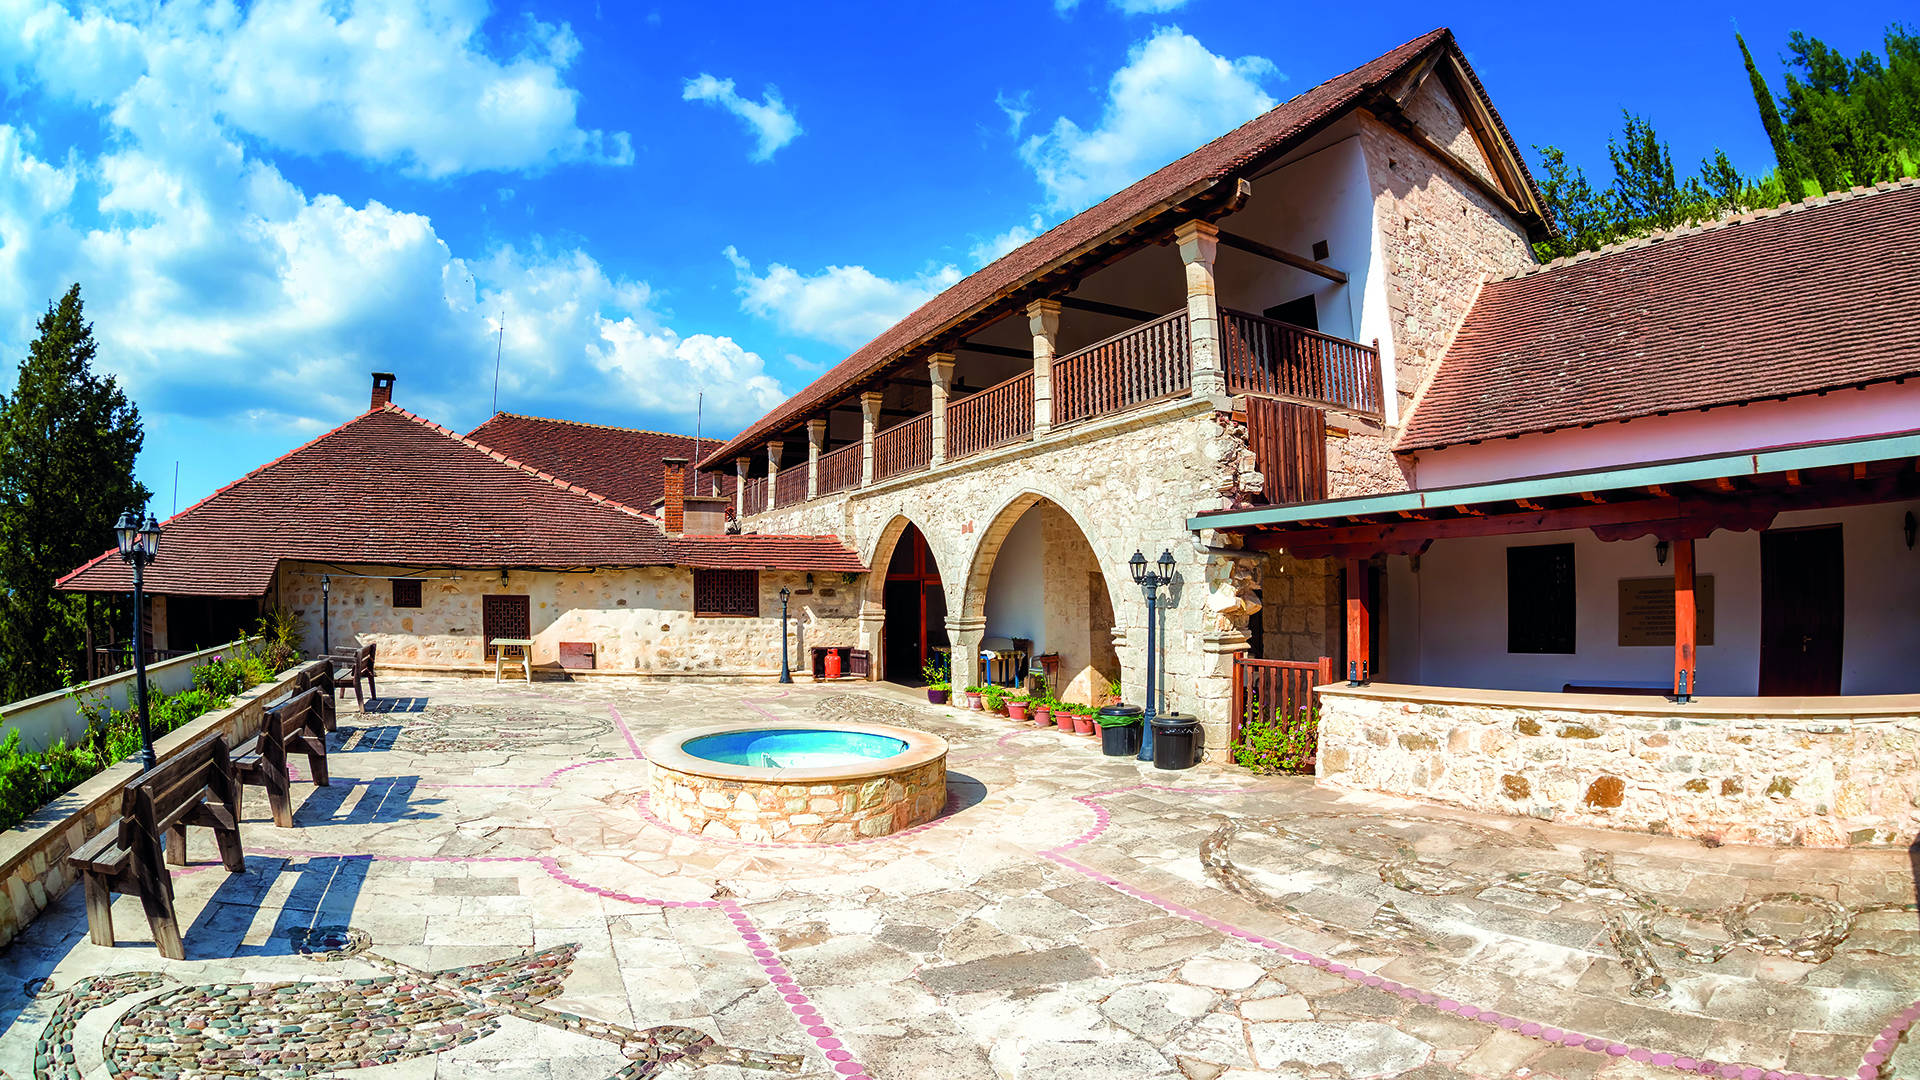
{"x": 882, "y": 580}
{"x": 1057, "y": 594}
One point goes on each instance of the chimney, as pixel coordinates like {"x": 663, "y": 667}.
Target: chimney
{"x": 382, "y": 388}
{"x": 673, "y": 498}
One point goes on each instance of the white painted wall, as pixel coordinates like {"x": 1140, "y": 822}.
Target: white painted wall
{"x": 1457, "y": 605}
{"x": 49, "y": 717}
{"x": 1883, "y": 409}
{"x": 1016, "y": 593}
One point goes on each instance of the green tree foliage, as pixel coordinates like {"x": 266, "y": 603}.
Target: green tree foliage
{"x": 1853, "y": 122}
{"x": 1644, "y": 189}
{"x": 68, "y": 439}
{"x": 1785, "y": 160}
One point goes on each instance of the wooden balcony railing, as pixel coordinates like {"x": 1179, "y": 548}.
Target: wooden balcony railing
{"x": 1149, "y": 362}
{"x": 999, "y": 414}
{"x": 840, "y": 469}
{"x": 903, "y": 448}
{"x": 1265, "y": 356}
{"x": 754, "y": 495}
{"x": 790, "y": 486}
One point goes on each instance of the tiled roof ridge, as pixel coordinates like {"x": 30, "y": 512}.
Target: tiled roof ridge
{"x": 221, "y": 490}
{"x": 1728, "y": 221}
{"x": 601, "y": 427}
{"x": 516, "y": 463}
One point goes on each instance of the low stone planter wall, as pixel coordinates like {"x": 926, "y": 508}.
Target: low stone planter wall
{"x": 33, "y": 854}
{"x": 827, "y": 805}
{"x": 1825, "y": 772}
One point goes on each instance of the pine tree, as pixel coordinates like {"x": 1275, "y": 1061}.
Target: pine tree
{"x": 1583, "y": 216}
{"x": 1644, "y": 187}
{"x": 68, "y": 439}
{"x": 1783, "y": 154}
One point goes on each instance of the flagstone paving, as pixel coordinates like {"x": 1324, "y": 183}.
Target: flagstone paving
{"x": 484, "y": 892}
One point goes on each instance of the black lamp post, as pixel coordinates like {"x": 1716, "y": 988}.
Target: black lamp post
{"x": 786, "y": 675}
{"x": 139, "y": 545}
{"x": 326, "y": 595}
{"x": 1150, "y": 584}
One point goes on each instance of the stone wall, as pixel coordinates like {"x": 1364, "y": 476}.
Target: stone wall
{"x": 640, "y": 621}
{"x": 1300, "y": 616}
{"x": 828, "y": 812}
{"x": 1723, "y": 770}
{"x": 1439, "y": 239}
{"x": 33, "y": 854}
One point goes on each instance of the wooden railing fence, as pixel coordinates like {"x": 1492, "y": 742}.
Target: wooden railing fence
{"x": 754, "y": 494}
{"x": 840, "y": 469}
{"x": 1289, "y": 444}
{"x": 1269, "y": 692}
{"x": 1143, "y": 364}
{"x": 903, "y": 448}
{"x": 999, "y": 414}
{"x": 790, "y": 486}
{"x": 1265, "y": 356}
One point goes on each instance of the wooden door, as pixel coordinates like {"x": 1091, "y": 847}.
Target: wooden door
{"x": 1801, "y": 611}
{"x": 503, "y": 616}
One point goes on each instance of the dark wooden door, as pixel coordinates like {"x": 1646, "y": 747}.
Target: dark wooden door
{"x": 1801, "y": 611}
{"x": 503, "y": 616}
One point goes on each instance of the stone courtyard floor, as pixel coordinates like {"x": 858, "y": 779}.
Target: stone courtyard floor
{"x": 483, "y": 892}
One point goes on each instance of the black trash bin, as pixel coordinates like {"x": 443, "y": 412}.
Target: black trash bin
{"x": 1176, "y": 741}
{"x": 1120, "y": 739}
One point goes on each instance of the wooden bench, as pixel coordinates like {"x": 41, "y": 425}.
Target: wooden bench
{"x": 351, "y": 666}
{"x": 318, "y": 675}
{"x": 196, "y": 787}
{"x": 295, "y": 724}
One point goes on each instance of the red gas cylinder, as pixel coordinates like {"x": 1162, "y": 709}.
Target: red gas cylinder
{"x": 833, "y": 663}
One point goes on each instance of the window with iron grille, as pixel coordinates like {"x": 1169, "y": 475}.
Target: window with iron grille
{"x": 726, "y": 593}
{"x": 1540, "y": 599}
{"x": 406, "y": 593}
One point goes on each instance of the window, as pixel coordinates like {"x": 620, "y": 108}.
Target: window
{"x": 406, "y": 593}
{"x": 1540, "y": 599}
{"x": 503, "y": 616}
{"x": 726, "y": 594}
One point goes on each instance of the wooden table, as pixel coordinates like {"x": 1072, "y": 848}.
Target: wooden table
{"x": 500, "y": 647}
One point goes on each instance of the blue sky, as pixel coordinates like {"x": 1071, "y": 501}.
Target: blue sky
{"x": 265, "y": 202}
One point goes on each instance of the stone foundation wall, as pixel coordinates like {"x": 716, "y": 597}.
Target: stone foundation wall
{"x": 830, "y": 812}
{"x": 1722, "y": 775}
{"x": 640, "y": 621}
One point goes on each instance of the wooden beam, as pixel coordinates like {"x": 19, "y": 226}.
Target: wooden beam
{"x": 1101, "y": 307}
{"x": 1593, "y": 497}
{"x": 1685, "y": 622}
{"x": 1528, "y": 504}
{"x": 1724, "y": 483}
{"x": 1359, "y": 624}
{"x": 996, "y": 350}
{"x": 1268, "y": 251}
{"x": 1793, "y": 477}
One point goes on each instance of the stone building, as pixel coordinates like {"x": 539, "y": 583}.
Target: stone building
{"x": 392, "y": 531}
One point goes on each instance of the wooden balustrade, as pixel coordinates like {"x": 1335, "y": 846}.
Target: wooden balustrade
{"x": 790, "y": 486}
{"x": 840, "y": 469}
{"x": 1148, "y": 362}
{"x": 903, "y": 448}
{"x": 754, "y": 495}
{"x": 1276, "y": 694}
{"x": 999, "y": 414}
{"x": 1269, "y": 357}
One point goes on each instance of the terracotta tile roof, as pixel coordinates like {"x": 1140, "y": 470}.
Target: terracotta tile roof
{"x": 620, "y": 463}
{"x": 1793, "y": 300}
{"x": 761, "y": 551}
{"x": 391, "y": 488}
{"x": 1239, "y": 152}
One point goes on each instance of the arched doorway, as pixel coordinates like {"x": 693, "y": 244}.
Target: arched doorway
{"x": 1038, "y": 584}
{"x": 916, "y": 608}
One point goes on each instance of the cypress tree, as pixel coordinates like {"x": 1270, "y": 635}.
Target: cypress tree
{"x": 1783, "y": 154}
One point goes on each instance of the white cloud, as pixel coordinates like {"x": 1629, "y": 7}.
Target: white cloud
{"x": 410, "y": 83}
{"x": 840, "y": 305}
{"x": 1016, "y": 109}
{"x": 1147, "y": 7}
{"x": 993, "y": 247}
{"x": 769, "y": 118}
{"x": 1171, "y": 96}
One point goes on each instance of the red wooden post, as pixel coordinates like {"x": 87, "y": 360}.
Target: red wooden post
{"x": 1359, "y": 623}
{"x": 1239, "y": 703}
{"x": 1685, "y": 621}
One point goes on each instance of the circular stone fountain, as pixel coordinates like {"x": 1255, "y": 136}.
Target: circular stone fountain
{"x": 817, "y": 784}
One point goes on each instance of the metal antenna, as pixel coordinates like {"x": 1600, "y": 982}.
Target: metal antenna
{"x": 498, "y": 344}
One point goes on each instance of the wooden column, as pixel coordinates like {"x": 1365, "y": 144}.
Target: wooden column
{"x": 1686, "y": 626}
{"x": 816, "y": 435}
{"x": 1199, "y": 241}
{"x": 1043, "y": 319}
{"x": 939, "y": 382}
{"x": 740, "y": 466}
{"x": 1359, "y": 624}
{"x": 869, "y": 424}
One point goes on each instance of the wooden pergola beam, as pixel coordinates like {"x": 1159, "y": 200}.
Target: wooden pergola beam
{"x": 995, "y": 350}
{"x": 1268, "y": 251}
{"x": 1101, "y": 307}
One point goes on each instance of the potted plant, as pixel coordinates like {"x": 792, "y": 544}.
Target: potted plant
{"x": 996, "y": 699}
{"x": 1120, "y": 735}
{"x": 1017, "y": 707}
{"x": 973, "y": 696}
{"x": 1040, "y": 703}
{"x": 1083, "y": 720}
{"x": 934, "y": 671}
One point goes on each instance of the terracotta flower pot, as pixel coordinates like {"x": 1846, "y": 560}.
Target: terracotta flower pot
{"x": 1042, "y": 716}
{"x": 1082, "y": 724}
{"x": 973, "y": 701}
{"x": 1016, "y": 710}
